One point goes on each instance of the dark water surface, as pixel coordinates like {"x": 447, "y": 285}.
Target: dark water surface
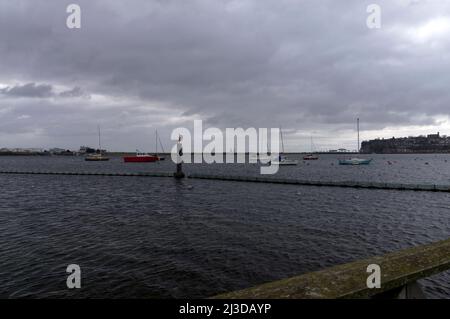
{"x": 158, "y": 237}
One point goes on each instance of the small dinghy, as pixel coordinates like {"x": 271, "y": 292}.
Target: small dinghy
{"x": 355, "y": 161}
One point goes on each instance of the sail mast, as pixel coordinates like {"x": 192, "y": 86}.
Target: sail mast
{"x": 357, "y": 125}
{"x": 160, "y": 144}
{"x": 99, "y": 139}
{"x": 156, "y": 140}
{"x": 282, "y": 142}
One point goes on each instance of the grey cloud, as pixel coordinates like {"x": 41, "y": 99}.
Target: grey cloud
{"x": 73, "y": 93}
{"x": 33, "y": 90}
{"x": 28, "y": 90}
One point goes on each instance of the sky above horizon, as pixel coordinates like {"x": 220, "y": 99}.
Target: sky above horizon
{"x": 311, "y": 67}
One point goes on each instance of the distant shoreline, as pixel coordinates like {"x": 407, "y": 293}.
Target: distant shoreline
{"x": 117, "y": 154}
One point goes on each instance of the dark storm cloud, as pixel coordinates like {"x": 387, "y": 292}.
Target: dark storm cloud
{"x": 33, "y": 90}
{"x": 28, "y": 90}
{"x": 305, "y": 65}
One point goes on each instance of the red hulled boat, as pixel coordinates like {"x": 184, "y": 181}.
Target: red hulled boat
{"x": 141, "y": 158}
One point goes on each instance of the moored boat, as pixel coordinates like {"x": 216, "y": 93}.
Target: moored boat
{"x": 259, "y": 158}
{"x": 140, "y": 158}
{"x": 310, "y": 157}
{"x": 355, "y": 161}
{"x": 97, "y": 157}
{"x": 283, "y": 160}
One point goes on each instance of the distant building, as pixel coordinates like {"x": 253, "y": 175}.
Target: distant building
{"x": 56, "y": 150}
{"x": 341, "y": 150}
{"x": 434, "y": 136}
{"x": 432, "y": 143}
{"x": 61, "y": 151}
{"x": 23, "y": 151}
{"x": 86, "y": 150}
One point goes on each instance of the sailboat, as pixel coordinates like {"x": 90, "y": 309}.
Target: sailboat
{"x": 356, "y": 160}
{"x": 158, "y": 140}
{"x": 97, "y": 157}
{"x": 311, "y": 156}
{"x": 282, "y": 159}
{"x": 140, "y": 158}
{"x": 144, "y": 157}
{"x": 263, "y": 157}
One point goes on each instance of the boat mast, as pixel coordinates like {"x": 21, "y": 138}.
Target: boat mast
{"x": 156, "y": 140}
{"x": 282, "y": 142}
{"x": 99, "y": 139}
{"x": 357, "y": 125}
{"x": 160, "y": 144}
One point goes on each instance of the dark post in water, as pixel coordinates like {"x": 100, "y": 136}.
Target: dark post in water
{"x": 179, "y": 173}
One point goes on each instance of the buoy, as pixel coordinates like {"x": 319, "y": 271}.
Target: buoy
{"x": 179, "y": 173}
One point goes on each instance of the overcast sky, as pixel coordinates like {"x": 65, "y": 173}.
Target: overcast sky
{"x": 312, "y": 67}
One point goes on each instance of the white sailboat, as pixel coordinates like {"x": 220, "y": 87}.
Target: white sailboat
{"x": 311, "y": 156}
{"x": 283, "y": 159}
{"x": 263, "y": 157}
{"x": 97, "y": 157}
{"x": 356, "y": 160}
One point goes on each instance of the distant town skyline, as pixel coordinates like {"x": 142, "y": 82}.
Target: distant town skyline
{"x": 167, "y": 148}
{"x": 310, "y": 67}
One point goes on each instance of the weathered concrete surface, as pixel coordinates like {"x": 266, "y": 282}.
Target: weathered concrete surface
{"x": 349, "y": 280}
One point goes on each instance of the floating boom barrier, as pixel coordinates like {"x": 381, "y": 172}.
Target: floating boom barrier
{"x": 256, "y": 179}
